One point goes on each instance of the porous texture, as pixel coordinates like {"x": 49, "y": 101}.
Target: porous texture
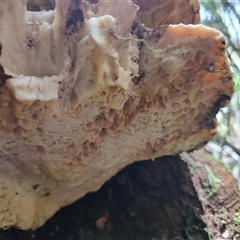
{"x": 155, "y": 13}
{"x": 81, "y": 97}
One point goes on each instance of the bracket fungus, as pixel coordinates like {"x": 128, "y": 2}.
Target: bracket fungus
{"x": 87, "y": 87}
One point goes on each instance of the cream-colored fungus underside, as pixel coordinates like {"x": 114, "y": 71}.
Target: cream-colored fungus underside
{"x": 80, "y": 98}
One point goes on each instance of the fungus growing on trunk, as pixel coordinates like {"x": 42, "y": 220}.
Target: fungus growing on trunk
{"x": 87, "y": 88}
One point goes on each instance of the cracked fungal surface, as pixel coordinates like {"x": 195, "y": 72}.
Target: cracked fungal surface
{"x": 85, "y": 91}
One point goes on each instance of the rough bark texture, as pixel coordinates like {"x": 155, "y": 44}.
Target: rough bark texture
{"x": 218, "y": 193}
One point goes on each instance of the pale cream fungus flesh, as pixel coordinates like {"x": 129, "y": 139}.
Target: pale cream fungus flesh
{"x": 88, "y": 88}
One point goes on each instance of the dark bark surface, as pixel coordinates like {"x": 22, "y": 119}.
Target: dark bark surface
{"x": 147, "y": 200}
{"x": 218, "y": 193}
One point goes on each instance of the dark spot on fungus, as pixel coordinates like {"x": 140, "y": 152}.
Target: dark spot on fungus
{"x": 36, "y": 186}
{"x": 93, "y": 1}
{"x": 30, "y": 42}
{"x": 139, "y": 79}
{"x": 0, "y": 49}
{"x": 228, "y": 78}
{"x": 75, "y": 18}
{"x": 211, "y": 67}
{"x": 3, "y": 76}
{"x": 210, "y": 121}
